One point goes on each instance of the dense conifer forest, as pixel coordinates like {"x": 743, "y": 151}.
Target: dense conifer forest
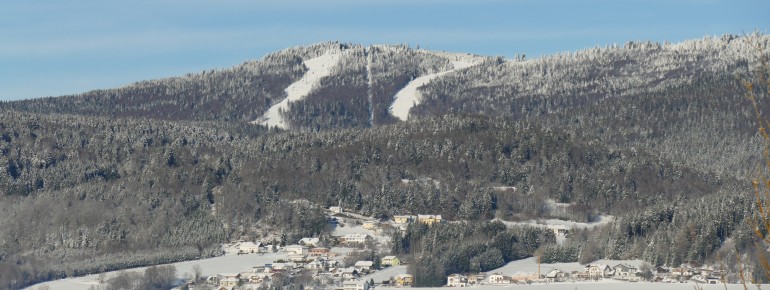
{"x": 660, "y": 136}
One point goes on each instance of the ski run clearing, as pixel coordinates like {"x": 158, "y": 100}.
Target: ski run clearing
{"x": 409, "y": 96}
{"x": 318, "y": 68}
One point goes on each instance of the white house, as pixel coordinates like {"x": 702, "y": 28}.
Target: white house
{"x": 363, "y": 265}
{"x": 336, "y": 209}
{"x": 355, "y": 285}
{"x": 457, "y": 280}
{"x": 349, "y": 273}
{"x": 230, "y": 280}
{"x": 596, "y": 271}
{"x": 249, "y": 247}
{"x": 355, "y": 239}
{"x": 295, "y": 250}
{"x": 559, "y": 230}
{"x": 310, "y": 242}
{"x": 556, "y": 275}
{"x": 498, "y": 278}
{"x": 624, "y": 271}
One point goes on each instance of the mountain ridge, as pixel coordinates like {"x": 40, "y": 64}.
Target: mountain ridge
{"x": 659, "y": 135}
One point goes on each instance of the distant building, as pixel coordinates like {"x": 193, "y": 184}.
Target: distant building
{"x": 499, "y": 278}
{"x": 404, "y": 280}
{"x": 403, "y": 219}
{"x": 556, "y": 275}
{"x": 336, "y": 209}
{"x": 295, "y": 250}
{"x": 310, "y": 242}
{"x": 559, "y": 230}
{"x": 371, "y": 225}
{"x": 249, "y": 247}
{"x": 363, "y": 266}
{"x": 457, "y": 280}
{"x": 390, "y": 261}
{"x": 230, "y": 280}
{"x": 356, "y": 239}
{"x": 319, "y": 252}
{"x": 429, "y": 219}
{"x": 356, "y": 285}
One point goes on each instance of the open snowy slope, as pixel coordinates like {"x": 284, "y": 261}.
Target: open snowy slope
{"x": 409, "y": 96}
{"x": 318, "y": 68}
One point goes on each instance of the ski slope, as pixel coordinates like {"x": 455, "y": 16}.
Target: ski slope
{"x": 318, "y": 68}
{"x": 409, "y": 96}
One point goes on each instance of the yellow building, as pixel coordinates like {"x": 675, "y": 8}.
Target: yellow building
{"x": 403, "y": 219}
{"x": 404, "y": 280}
{"x": 390, "y": 261}
{"x": 429, "y": 219}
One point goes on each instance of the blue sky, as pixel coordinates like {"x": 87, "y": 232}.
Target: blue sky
{"x": 53, "y": 47}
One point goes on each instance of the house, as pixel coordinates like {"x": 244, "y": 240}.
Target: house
{"x": 230, "y": 280}
{"x": 457, "y": 280}
{"x": 403, "y": 219}
{"x": 309, "y": 242}
{"x": 556, "y": 275}
{"x": 559, "y": 230}
{"x": 319, "y": 252}
{"x": 404, "y": 280}
{"x": 349, "y": 273}
{"x": 336, "y": 209}
{"x": 429, "y": 219}
{"x": 295, "y": 250}
{"x": 499, "y": 278}
{"x": 258, "y": 278}
{"x": 319, "y": 264}
{"x": 596, "y": 271}
{"x": 363, "y": 266}
{"x": 249, "y": 247}
{"x": 371, "y": 225}
{"x": 681, "y": 271}
{"x": 476, "y": 278}
{"x": 624, "y": 271}
{"x": 390, "y": 261}
{"x": 356, "y": 239}
{"x": 296, "y": 258}
{"x": 522, "y": 277}
{"x": 356, "y": 285}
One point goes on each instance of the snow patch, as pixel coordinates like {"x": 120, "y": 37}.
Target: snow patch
{"x": 318, "y": 68}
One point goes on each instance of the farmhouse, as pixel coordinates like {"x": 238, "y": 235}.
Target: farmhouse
{"x": 356, "y": 285}
{"x": 404, "y": 280}
{"x": 390, "y": 261}
{"x": 249, "y": 247}
{"x": 295, "y": 250}
{"x": 457, "y": 280}
{"x": 356, "y": 239}
{"x": 403, "y": 219}
{"x": 429, "y": 219}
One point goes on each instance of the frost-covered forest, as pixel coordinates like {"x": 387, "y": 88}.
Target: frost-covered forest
{"x": 658, "y": 135}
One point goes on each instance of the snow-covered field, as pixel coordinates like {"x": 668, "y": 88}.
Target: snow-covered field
{"x": 385, "y": 274}
{"x": 318, "y": 68}
{"x": 610, "y": 285}
{"x": 210, "y": 266}
{"x": 409, "y": 96}
{"x": 602, "y": 220}
{"x": 529, "y": 265}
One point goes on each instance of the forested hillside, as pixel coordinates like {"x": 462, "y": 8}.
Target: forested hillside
{"x": 657, "y": 135}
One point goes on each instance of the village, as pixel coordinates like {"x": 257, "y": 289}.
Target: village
{"x": 357, "y": 260}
